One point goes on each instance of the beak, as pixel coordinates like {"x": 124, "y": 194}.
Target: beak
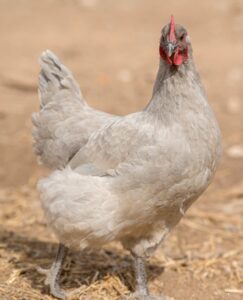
{"x": 170, "y": 47}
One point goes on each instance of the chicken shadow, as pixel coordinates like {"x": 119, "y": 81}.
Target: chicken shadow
{"x": 80, "y": 268}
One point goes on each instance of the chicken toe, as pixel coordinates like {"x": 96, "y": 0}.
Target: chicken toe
{"x": 138, "y": 296}
{"x": 53, "y": 274}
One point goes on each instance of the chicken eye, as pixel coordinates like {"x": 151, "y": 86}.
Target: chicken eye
{"x": 181, "y": 38}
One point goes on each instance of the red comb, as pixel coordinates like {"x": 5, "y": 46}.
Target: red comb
{"x": 172, "y": 37}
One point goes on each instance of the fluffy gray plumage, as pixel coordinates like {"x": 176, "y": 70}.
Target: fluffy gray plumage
{"x": 125, "y": 178}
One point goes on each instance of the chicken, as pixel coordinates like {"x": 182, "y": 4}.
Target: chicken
{"x": 128, "y": 179}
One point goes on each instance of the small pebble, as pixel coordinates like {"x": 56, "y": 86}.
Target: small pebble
{"x": 234, "y": 104}
{"x": 124, "y": 75}
{"x": 235, "y": 151}
{"x": 88, "y": 3}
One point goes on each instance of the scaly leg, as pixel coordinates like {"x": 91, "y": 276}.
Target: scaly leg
{"x": 142, "y": 291}
{"x": 141, "y": 276}
{"x": 53, "y": 274}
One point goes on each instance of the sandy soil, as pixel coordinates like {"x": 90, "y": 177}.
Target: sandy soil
{"x": 112, "y": 49}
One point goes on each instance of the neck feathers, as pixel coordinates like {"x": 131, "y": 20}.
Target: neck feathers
{"x": 175, "y": 88}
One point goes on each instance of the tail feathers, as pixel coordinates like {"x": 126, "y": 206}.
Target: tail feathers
{"x": 55, "y": 80}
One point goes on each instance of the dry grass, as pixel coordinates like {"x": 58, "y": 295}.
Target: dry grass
{"x": 207, "y": 245}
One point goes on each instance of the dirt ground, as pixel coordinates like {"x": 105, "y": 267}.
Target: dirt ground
{"x": 112, "y": 49}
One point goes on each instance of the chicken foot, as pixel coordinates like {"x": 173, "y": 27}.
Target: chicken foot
{"x": 53, "y": 274}
{"x": 142, "y": 291}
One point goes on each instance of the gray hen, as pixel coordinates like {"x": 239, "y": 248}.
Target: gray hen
{"x": 133, "y": 177}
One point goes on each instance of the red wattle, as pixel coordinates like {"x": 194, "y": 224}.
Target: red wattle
{"x": 178, "y": 58}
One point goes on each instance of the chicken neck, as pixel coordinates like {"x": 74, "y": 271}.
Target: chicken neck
{"x": 176, "y": 89}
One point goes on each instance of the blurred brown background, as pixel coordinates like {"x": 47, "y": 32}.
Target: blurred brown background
{"x": 112, "y": 49}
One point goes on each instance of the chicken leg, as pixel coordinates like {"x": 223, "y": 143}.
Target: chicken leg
{"x": 53, "y": 274}
{"x": 142, "y": 291}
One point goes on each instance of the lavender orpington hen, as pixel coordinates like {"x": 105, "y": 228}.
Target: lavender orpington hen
{"x": 130, "y": 178}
